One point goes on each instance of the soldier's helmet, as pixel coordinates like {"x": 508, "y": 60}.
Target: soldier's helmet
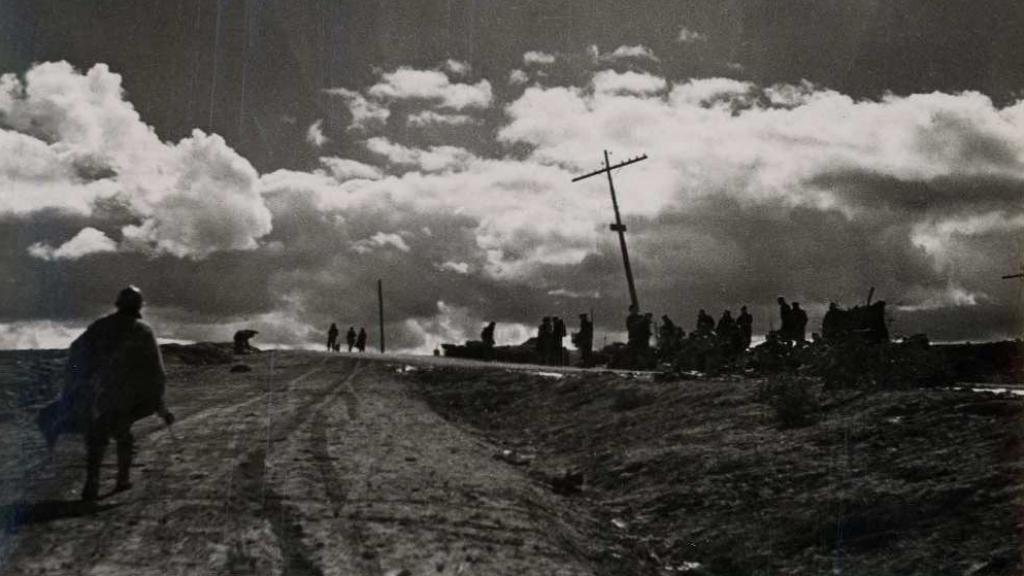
{"x": 129, "y": 299}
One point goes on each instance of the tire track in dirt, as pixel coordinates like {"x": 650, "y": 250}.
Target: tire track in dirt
{"x": 267, "y": 504}
{"x": 163, "y": 458}
{"x": 331, "y": 478}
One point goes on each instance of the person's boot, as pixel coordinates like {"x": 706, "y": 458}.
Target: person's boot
{"x": 124, "y": 465}
{"x": 93, "y": 460}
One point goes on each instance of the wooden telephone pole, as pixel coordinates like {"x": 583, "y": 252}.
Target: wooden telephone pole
{"x": 380, "y": 310}
{"x": 618, "y": 226}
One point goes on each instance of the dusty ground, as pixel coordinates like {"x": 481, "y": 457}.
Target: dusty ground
{"x": 698, "y": 476}
{"x": 309, "y": 464}
{"x": 331, "y": 464}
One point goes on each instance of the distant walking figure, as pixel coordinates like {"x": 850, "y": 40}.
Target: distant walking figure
{"x": 350, "y": 338}
{"x": 115, "y": 376}
{"x": 361, "y": 340}
{"x": 332, "y": 338}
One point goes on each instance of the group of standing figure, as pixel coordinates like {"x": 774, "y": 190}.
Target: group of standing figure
{"x": 733, "y": 335}
{"x": 357, "y": 341}
{"x": 794, "y": 322}
{"x": 551, "y": 336}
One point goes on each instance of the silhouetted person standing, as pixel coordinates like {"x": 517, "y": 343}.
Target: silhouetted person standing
{"x": 786, "y": 318}
{"x": 831, "y": 323}
{"x": 799, "y": 318}
{"x": 668, "y": 340}
{"x": 726, "y": 326}
{"x": 361, "y": 340}
{"x": 584, "y": 340}
{"x": 545, "y": 337}
{"x": 487, "y": 335}
{"x": 332, "y": 337}
{"x": 118, "y": 363}
{"x": 350, "y": 338}
{"x": 745, "y": 325}
{"x": 558, "y": 345}
{"x": 634, "y": 329}
{"x": 705, "y": 323}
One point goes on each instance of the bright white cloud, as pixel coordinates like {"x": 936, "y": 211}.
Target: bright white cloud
{"x": 315, "y": 134}
{"x": 538, "y": 58}
{"x": 639, "y": 52}
{"x": 69, "y": 139}
{"x": 434, "y": 159}
{"x": 687, "y": 36}
{"x": 431, "y": 85}
{"x": 87, "y": 241}
{"x": 366, "y": 114}
{"x": 431, "y": 118}
{"x": 380, "y": 240}
{"x": 612, "y": 82}
{"x": 343, "y": 169}
{"x": 517, "y": 77}
{"x": 707, "y": 91}
{"x": 457, "y": 267}
{"x": 456, "y": 67}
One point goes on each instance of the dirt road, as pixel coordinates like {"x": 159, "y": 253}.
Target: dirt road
{"x": 308, "y": 464}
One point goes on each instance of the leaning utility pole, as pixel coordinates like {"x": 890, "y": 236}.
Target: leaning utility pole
{"x": 380, "y": 309}
{"x": 618, "y": 226}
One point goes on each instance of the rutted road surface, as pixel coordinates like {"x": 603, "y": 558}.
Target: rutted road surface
{"x": 310, "y": 464}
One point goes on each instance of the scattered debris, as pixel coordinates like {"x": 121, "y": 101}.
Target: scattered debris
{"x": 620, "y": 524}
{"x": 567, "y": 484}
{"x": 514, "y": 458}
{"x": 554, "y": 375}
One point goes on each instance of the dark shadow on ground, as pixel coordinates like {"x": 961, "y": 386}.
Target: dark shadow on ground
{"x": 14, "y": 516}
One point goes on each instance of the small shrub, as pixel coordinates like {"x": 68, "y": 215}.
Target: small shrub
{"x": 793, "y": 400}
{"x": 627, "y": 399}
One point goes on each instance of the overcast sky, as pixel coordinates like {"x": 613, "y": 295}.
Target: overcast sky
{"x": 262, "y": 163}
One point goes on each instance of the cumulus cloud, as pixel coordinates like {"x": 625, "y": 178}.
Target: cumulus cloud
{"x": 315, "y": 134}
{"x": 457, "y": 267}
{"x": 71, "y": 142}
{"x": 456, "y": 67}
{"x": 538, "y": 58}
{"x": 638, "y": 52}
{"x": 365, "y": 113}
{"x": 343, "y": 169}
{"x": 687, "y": 36}
{"x": 431, "y": 85}
{"x": 380, "y": 240}
{"x": 517, "y": 77}
{"x": 749, "y": 192}
{"x": 87, "y": 241}
{"x": 430, "y": 118}
{"x": 612, "y": 82}
{"x": 434, "y": 159}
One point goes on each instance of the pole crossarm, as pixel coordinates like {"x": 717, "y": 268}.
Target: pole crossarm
{"x": 610, "y": 168}
{"x": 618, "y": 226}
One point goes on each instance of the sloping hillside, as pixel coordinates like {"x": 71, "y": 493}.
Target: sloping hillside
{"x": 701, "y": 477}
